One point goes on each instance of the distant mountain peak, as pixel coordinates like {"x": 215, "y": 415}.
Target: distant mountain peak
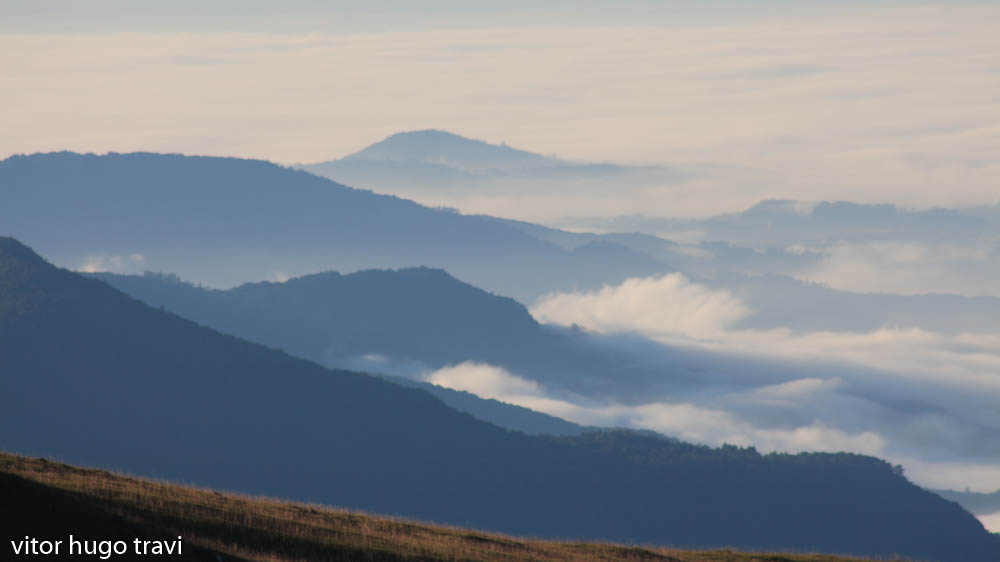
{"x": 434, "y": 146}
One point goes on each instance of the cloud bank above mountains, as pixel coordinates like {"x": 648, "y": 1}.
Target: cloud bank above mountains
{"x": 839, "y": 107}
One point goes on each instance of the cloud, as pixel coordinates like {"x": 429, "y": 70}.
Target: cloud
{"x": 903, "y": 394}
{"x": 791, "y": 393}
{"x": 991, "y": 522}
{"x": 660, "y": 306}
{"x": 683, "y": 420}
{"x": 376, "y": 363}
{"x": 835, "y": 107}
{"x": 131, "y": 263}
{"x": 909, "y": 268}
{"x": 673, "y": 310}
{"x": 484, "y": 380}
{"x": 954, "y": 475}
{"x": 718, "y": 425}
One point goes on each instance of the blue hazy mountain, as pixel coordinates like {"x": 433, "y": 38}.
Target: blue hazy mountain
{"x": 92, "y": 376}
{"x": 452, "y": 151}
{"x": 225, "y": 221}
{"x": 433, "y": 164}
{"x": 402, "y": 322}
{"x": 419, "y": 319}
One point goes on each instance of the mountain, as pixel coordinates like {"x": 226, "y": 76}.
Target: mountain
{"x": 94, "y": 377}
{"x": 419, "y": 314}
{"x": 453, "y": 151}
{"x": 225, "y": 221}
{"x": 430, "y": 164}
{"x": 405, "y": 322}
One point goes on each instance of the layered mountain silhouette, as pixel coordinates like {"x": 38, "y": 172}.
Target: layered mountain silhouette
{"x": 94, "y": 377}
{"x": 415, "y": 314}
{"x": 406, "y": 322}
{"x": 403, "y": 322}
{"x": 225, "y": 221}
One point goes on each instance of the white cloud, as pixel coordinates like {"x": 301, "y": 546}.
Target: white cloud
{"x": 991, "y": 522}
{"x": 484, "y": 380}
{"x": 909, "y": 268}
{"x": 672, "y": 310}
{"x": 716, "y": 425}
{"x": 944, "y": 475}
{"x": 664, "y": 306}
{"x": 903, "y": 394}
{"x": 131, "y": 263}
{"x": 791, "y": 393}
{"x": 684, "y": 420}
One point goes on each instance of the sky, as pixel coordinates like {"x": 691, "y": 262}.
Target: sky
{"x": 862, "y": 101}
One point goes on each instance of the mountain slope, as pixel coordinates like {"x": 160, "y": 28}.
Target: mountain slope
{"x": 402, "y": 322}
{"x": 225, "y": 221}
{"x": 92, "y": 376}
{"x": 418, "y": 313}
{"x": 65, "y": 498}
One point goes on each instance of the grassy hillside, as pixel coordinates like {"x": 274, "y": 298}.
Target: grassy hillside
{"x": 101, "y": 505}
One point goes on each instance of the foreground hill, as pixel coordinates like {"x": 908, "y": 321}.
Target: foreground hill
{"x": 94, "y": 377}
{"x": 217, "y": 526}
{"x": 225, "y": 221}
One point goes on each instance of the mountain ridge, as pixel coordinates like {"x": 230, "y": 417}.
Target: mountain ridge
{"x": 98, "y": 378}
{"x": 435, "y": 146}
{"x": 224, "y": 221}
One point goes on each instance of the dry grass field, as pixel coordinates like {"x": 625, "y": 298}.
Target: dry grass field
{"x": 66, "y": 499}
